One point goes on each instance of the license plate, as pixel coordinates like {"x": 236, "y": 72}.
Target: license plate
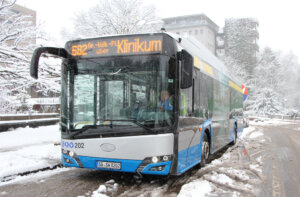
{"x": 109, "y": 165}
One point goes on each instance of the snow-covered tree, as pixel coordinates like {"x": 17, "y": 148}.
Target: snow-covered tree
{"x": 114, "y": 17}
{"x": 267, "y": 78}
{"x": 289, "y": 83}
{"x": 17, "y": 41}
{"x": 240, "y": 37}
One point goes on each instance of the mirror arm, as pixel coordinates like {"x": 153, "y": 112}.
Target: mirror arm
{"x": 60, "y": 52}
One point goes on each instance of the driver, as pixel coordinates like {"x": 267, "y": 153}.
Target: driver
{"x": 165, "y": 103}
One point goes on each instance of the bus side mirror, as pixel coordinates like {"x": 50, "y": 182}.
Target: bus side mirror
{"x": 187, "y": 63}
{"x": 34, "y": 64}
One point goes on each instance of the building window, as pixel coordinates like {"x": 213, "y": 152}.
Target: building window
{"x": 196, "y": 31}
{"x": 190, "y": 32}
{"x": 178, "y": 33}
{"x": 201, "y": 31}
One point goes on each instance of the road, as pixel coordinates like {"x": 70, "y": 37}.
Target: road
{"x": 282, "y": 161}
{"x": 277, "y": 151}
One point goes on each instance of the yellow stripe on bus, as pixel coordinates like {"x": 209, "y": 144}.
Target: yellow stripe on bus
{"x": 236, "y": 87}
{"x": 207, "y": 68}
{"x": 196, "y": 62}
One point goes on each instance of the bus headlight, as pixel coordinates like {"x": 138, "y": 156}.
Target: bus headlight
{"x": 165, "y": 158}
{"x": 154, "y": 159}
{"x": 71, "y": 153}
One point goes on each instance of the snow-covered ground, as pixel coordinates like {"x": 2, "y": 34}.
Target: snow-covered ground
{"x": 268, "y": 121}
{"x": 28, "y": 149}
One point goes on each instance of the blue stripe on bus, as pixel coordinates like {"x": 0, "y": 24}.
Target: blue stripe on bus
{"x": 166, "y": 170}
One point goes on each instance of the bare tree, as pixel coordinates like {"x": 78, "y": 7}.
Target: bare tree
{"x": 115, "y": 17}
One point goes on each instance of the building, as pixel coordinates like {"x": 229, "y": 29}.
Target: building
{"x": 17, "y": 9}
{"x": 26, "y": 12}
{"x": 199, "y": 26}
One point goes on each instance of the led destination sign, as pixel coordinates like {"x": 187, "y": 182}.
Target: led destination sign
{"x": 112, "y": 46}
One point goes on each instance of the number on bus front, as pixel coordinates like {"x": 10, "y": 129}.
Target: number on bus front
{"x": 79, "y": 50}
{"x": 79, "y": 145}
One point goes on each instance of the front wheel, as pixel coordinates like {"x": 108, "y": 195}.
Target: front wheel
{"x": 205, "y": 151}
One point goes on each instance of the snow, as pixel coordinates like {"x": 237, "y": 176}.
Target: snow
{"x": 246, "y": 131}
{"x": 28, "y": 121}
{"x": 33, "y": 114}
{"x": 273, "y": 122}
{"x": 255, "y": 167}
{"x": 36, "y": 176}
{"x": 255, "y": 135}
{"x": 21, "y": 137}
{"x": 100, "y": 191}
{"x": 195, "y": 188}
{"x": 29, "y": 158}
{"x": 222, "y": 178}
{"x": 27, "y": 149}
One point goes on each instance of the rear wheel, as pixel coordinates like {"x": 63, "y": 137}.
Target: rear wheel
{"x": 205, "y": 151}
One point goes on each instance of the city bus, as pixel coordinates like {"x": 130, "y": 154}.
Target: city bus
{"x": 155, "y": 104}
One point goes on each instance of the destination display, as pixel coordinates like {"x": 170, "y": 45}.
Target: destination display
{"x": 112, "y": 46}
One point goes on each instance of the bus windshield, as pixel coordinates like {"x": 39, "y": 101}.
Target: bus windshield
{"x": 129, "y": 91}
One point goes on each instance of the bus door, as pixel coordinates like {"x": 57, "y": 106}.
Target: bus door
{"x": 189, "y": 138}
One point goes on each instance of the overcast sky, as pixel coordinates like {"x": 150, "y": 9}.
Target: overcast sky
{"x": 278, "y": 19}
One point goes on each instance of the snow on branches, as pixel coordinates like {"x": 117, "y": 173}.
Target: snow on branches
{"x": 114, "y": 17}
{"x": 18, "y": 34}
{"x": 273, "y": 79}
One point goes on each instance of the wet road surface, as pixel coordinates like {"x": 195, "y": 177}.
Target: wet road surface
{"x": 282, "y": 161}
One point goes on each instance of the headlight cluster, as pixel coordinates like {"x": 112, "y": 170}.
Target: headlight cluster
{"x": 161, "y": 159}
{"x": 73, "y": 155}
{"x": 67, "y": 152}
{"x": 153, "y": 160}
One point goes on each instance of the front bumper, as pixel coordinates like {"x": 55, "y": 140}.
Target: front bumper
{"x": 133, "y": 166}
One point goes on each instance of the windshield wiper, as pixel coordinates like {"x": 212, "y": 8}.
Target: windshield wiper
{"x": 83, "y": 129}
{"x": 135, "y": 122}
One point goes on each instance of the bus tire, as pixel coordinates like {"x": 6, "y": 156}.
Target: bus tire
{"x": 205, "y": 150}
{"x": 235, "y": 136}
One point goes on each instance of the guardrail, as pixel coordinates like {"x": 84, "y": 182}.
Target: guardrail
{"x": 34, "y": 120}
